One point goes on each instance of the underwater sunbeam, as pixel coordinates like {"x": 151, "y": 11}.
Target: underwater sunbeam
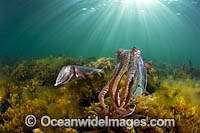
{"x": 139, "y": 1}
{"x": 146, "y": 1}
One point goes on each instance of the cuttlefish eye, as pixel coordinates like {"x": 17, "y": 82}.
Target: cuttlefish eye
{"x": 119, "y": 51}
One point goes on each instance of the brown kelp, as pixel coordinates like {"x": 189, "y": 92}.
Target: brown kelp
{"x": 27, "y": 88}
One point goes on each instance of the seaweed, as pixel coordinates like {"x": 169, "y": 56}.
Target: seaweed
{"x": 107, "y": 64}
{"x": 174, "y": 99}
{"x": 27, "y": 88}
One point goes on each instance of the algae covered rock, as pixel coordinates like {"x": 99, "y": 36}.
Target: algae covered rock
{"x": 31, "y": 91}
{"x": 27, "y": 88}
{"x": 44, "y": 70}
{"x": 107, "y": 64}
{"x": 173, "y": 99}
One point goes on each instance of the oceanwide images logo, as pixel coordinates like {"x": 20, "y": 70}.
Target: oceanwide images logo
{"x": 46, "y": 121}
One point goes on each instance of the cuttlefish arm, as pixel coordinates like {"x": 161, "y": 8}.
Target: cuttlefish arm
{"x": 135, "y": 84}
{"x": 129, "y": 80}
{"x": 127, "y": 90}
{"x": 109, "y": 85}
{"x": 67, "y": 73}
{"x": 125, "y": 59}
{"x": 136, "y": 87}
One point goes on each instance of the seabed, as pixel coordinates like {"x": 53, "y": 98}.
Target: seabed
{"x": 27, "y": 87}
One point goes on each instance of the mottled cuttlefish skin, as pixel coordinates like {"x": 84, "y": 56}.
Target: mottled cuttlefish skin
{"x": 67, "y": 73}
{"x": 129, "y": 63}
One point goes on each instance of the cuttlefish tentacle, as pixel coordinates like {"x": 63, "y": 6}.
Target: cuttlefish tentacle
{"x": 120, "y": 66}
{"x": 105, "y": 90}
{"x": 129, "y": 81}
{"x": 124, "y": 92}
{"x": 133, "y": 87}
{"x": 125, "y": 59}
{"x": 138, "y": 90}
{"x": 125, "y": 109}
{"x": 127, "y": 90}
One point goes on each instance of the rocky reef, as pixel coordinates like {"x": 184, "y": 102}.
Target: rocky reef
{"x": 27, "y": 88}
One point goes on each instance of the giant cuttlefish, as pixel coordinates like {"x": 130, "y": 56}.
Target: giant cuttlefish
{"x": 72, "y": 71}
{"x": 130, "y": 64}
